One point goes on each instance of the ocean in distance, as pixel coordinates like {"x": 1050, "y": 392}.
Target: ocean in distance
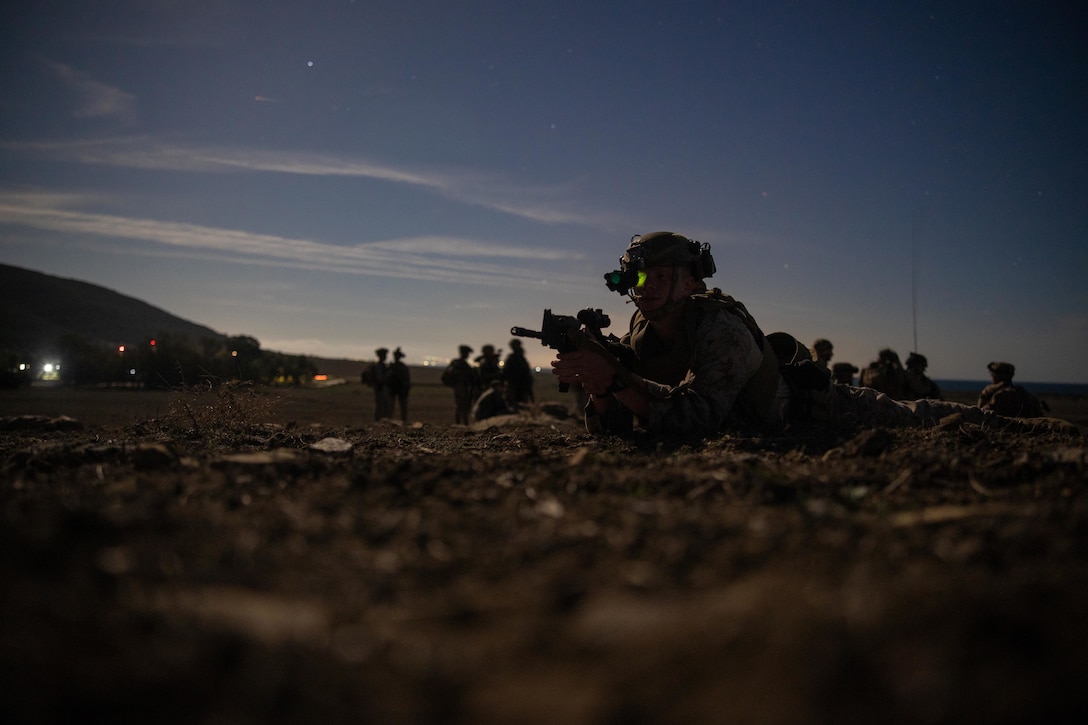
{"x": 968, "y": 386}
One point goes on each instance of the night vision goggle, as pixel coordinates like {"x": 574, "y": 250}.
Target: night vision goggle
{"x": 622, "y": 280}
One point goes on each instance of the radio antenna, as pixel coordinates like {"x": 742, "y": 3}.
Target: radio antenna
{"x": 914, "y": 275}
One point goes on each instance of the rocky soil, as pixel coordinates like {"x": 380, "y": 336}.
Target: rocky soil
{"x": 216, "y": 565}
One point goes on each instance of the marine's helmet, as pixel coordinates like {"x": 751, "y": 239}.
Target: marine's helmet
{"x": 659, "y": 249}
{"x": 917, "y": 360}
{"x": 1002, "y": 369}
{"x": 887, "y": 355}
{"x": 487, "y": 352}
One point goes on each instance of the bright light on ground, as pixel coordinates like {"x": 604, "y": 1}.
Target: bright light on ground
{"x": 51, "y": 371}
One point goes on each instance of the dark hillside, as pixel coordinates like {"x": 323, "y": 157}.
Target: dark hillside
{"x": 38, "y": 309}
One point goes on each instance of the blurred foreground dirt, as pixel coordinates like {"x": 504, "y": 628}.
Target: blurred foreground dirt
{"x": 219, "y": 564}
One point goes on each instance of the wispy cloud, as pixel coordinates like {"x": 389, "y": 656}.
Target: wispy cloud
{"x": 95, "y": 98}
{"x": 431, "y": 259}
{"x": 168, "y": 23}
{"x": 457, "y": 247}
{"x": 556, "y": 204}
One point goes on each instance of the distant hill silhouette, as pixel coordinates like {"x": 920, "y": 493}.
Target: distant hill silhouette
{"x": 38, "y": 309}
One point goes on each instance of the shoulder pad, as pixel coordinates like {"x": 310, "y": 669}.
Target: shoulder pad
{"x": 714, "y": 296}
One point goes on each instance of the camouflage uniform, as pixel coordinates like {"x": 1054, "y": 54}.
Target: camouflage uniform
{"x": 719, "y": 370}
{"x": 518, "y": 376}
{"x": 491, "y": 402}
{"x": 822, "y": 352}
{"x": 1005, "y": 398}
{"x": 844, "y": 404}
{"x": 461, "y": 376}
{"x": 399, "y": 380}
{"x": 916, "y": 385}
{"x": 698, "y": 384}
{"x": 885, "y": 374}
{"x": 697, "y": 388}
{"x": 843, "y": 373}
{"x": 488, "y": 369}
{"x": 383, "y": 401}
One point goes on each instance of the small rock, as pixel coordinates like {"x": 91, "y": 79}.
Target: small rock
{"x": 64, "y": 423}
{"x": 549, "y": 507}
{"x": 39, "y": 422}
{"x": 332, "y": 445}
{"x": 260, "y": 458}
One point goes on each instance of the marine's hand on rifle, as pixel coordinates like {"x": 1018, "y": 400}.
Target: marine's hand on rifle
{"x": 590, "y": 364}
{"x": 584, "y": 367}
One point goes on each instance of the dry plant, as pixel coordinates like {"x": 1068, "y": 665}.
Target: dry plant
{"x": 225, "y": 413}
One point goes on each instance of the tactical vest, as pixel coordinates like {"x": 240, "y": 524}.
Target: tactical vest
{"x": 672, "y": 364}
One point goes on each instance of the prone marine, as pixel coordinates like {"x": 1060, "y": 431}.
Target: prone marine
{"x": 694, "y": 361}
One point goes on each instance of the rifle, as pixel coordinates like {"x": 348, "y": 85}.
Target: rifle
{"x": 563, "y": 333}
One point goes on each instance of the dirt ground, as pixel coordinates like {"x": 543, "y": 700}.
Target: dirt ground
{"x": 276, "y": 557}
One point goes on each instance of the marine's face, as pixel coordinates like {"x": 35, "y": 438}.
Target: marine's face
{"x": 661, "y": 285}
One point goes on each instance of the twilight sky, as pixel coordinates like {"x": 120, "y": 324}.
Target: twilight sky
{"x": 332, "y": 176}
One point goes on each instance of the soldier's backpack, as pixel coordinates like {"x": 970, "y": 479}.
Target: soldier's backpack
{"x": 369, "y": 375}
{"x": 449, "y": 376}
{"x": 1016, "y": 402}
{"x": 883, "y": 377}
{"x": 800, "y": 371}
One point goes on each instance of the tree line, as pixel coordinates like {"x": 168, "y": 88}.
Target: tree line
{"x": 174, "y": 361}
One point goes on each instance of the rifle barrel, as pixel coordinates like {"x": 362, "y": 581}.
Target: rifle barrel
{"x": 525, "y": 332}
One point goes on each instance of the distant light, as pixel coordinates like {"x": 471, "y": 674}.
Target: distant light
{"x": 537, "y": 368}
{"x": 234, "y": 353}
{"x": 120, "y": 348}
{"x": 321, "y": 377}
{"x": 152, "y": 343}
{"x": 309, "y": 64}
{"x": 23, "y": 366}
{"x": 47, "y": 368}
{"x": 132, "y": 371}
